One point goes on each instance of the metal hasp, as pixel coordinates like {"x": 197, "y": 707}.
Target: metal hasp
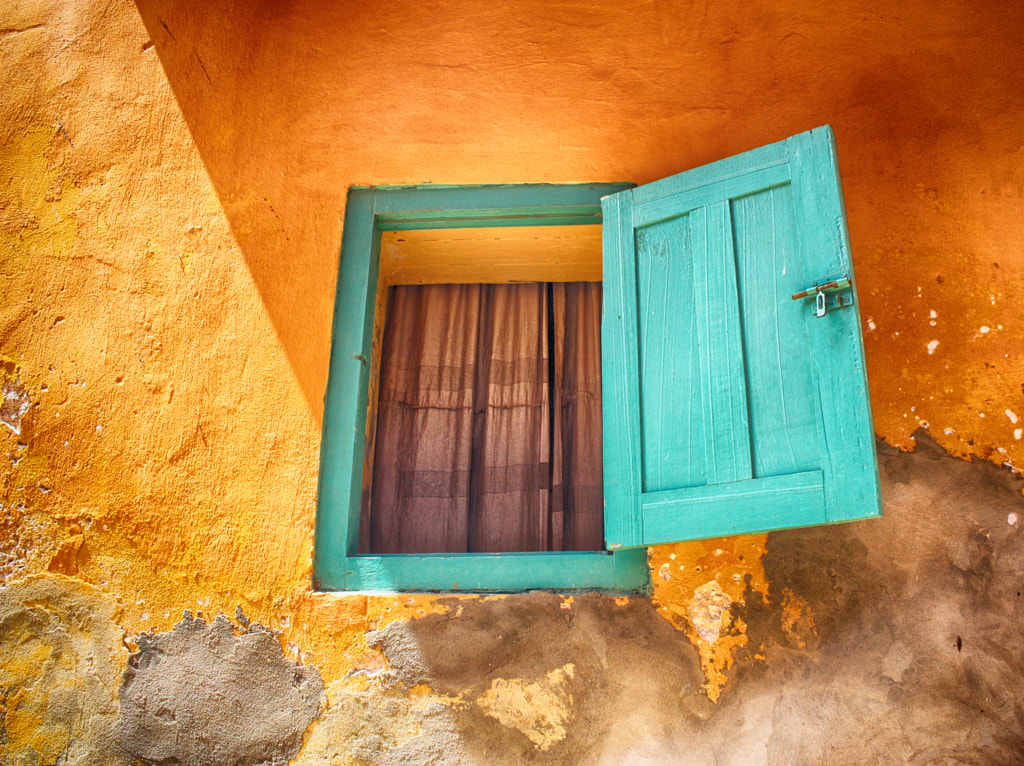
{"x": 819, "y": 289}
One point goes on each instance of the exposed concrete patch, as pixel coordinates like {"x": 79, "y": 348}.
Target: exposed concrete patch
{"x": 61, "y": 654}
{"x": 535, "y": 678}
{"x": 895, "y": 640}
{"x": 201, "y": 695}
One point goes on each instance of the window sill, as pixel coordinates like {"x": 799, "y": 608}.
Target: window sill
{"x": 624, "y": 571}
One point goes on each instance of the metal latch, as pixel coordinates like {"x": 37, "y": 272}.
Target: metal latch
{"x": 819, "y": 290}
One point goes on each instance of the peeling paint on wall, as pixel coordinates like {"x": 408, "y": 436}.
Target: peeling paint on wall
{"x": 701, "y": 587}
{"x": 539, "y": 709}
{"x": 14, "y": 404}
{"x": 525, "y": 678}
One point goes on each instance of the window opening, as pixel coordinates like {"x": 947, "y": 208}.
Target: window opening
{"x": 488, "y": 435}
{"x": 736, "y": 240}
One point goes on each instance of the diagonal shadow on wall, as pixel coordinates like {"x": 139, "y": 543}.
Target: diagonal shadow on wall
{"x": 225, "y": 69}
{"x": 290, "y": 102}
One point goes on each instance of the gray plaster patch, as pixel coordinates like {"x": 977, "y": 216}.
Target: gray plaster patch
{"x": 204, "y": 695}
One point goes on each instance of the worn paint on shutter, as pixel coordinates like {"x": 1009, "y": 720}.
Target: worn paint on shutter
{"x": 730, "y": 407}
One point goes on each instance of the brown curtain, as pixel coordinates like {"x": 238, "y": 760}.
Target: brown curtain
{"x": 488, "y": 434}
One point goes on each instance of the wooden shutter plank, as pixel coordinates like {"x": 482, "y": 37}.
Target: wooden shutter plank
{"x": 719, "y": 337}
{"x": 620, "y": 386}
{"x": 783, "y": 404}
{"x": 755, "y": 505}
{"x": 837, "y": 360}
{"x": 672, "y": 427}
{"x": 692, "y": 197}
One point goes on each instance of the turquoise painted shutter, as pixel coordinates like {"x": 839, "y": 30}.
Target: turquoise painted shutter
{"x": 730, "y": 407}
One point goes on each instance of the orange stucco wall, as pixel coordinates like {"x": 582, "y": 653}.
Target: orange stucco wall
{"x": 172, "y": 189}
{"x": 287, "y": 109}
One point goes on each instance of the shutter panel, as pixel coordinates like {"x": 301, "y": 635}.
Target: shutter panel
{"x": 730, "y": 407}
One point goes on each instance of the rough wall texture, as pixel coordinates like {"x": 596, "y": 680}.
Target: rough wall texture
{"x": 61, "y": 660}
{"x": 172, "y": 180}
{"x": 886, "y": 642}
{"x": 203, "y": 695}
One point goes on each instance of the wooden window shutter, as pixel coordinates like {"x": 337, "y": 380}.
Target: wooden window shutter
{"x": 729, "y": 405}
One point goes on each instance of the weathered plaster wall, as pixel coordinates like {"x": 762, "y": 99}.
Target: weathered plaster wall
{"x": 885, "y": 642}
{"x": 172, "y": 181}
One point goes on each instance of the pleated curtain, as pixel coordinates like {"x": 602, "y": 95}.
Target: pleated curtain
{"x": 488, "y": 432}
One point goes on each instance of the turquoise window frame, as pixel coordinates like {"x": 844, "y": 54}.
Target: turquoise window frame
{"x": 336, "y": 563}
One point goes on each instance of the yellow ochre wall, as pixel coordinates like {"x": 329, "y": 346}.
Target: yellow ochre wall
{"x": 172, "y": 190}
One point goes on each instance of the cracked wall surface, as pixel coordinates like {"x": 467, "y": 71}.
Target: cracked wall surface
{"x": 172, "y": 187}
